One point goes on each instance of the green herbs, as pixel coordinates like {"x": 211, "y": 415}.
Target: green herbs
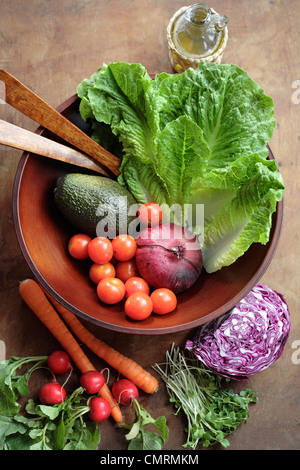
{"x": 212, "y": 411}
{"x": 196, "y": 138}
{"x": 12, "y": 384}
{"x": 35, "y": 426}
{"x": 56, "y": 427}
{"x": 41, "y": 427}
{"x": 144, "y": 439}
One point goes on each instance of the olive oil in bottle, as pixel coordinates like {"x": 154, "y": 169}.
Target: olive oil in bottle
{"x": 195, "y": 33}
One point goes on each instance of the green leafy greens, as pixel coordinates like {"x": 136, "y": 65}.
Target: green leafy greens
{"x": 41, "y": 427}
{"x": 141, "y": 438}
{"x": 212, "y": 411}
{"x": 194, "y": 138}
{"x": 61, "y": 427}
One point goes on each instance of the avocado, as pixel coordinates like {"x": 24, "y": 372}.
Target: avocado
{"x": 95, "y": 205}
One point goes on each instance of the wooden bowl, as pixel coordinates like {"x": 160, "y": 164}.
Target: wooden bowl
{"x": 43, "y": 235}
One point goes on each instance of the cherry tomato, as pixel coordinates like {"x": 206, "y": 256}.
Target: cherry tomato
{"x": 138, "y": 306}
{"x": 124, "y": 247}
{"x": 100, "y": 250}
{"x": 101, "y": 271}
{"x": 52, "y": 394}
{"x": 59, "y": 362}
{"x": 92, "y": 381}
{"x": 99, "y": 409}
{"x": 164, "y": 301}
{"x": 150, "y": 214}
{"x": 136, "y": 284}
{"x": 111, "y": 290}
{"x": 126, "y": 270}
{"x": 78, "y": 246}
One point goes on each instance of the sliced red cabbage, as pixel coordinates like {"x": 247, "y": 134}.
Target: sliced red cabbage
{"x": 246, "y": 340}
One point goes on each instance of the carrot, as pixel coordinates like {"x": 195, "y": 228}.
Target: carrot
{"x": 125, "y": 366}
{"x": 35, "y": 298}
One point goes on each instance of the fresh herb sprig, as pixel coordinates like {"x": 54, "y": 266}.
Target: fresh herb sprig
{"x": 12, "y": 384}
{"x": 212, "y": 411}
{"x": 141, "y": 438}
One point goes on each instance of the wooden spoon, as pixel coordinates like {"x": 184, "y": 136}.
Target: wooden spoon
{"x": 30, "y": 104}
{"x": 14, "y": 136}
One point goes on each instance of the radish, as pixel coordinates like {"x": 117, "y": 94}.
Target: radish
{"x": 125, "y": 391}
{"x": 99, "y": 409}
{"x": 169, "y": 256}
{"x": 92, "y": 381}
{"x": 59, "y": 362}
{"x": 52, "y": 394}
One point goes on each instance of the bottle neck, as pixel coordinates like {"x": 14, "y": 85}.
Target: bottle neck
{"x": 198, "y": 18}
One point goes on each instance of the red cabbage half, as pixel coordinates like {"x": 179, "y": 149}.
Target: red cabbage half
{"x": 246, "y": 340}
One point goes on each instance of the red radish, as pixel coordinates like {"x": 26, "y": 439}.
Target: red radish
{"x": 125, "y": 391}
{"x": 99, "y": 409}
{"x": 170, "y": 256}
{"x": 52, "y": 394}
{"x": 92, "y": 381}
{"x": 59, "y": 362}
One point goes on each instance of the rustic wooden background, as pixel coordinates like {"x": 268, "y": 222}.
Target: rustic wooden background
{"x": 51, "y": 45}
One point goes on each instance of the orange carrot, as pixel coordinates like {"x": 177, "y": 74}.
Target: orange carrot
{"x": 125, "y": 366}
{"x": 34, "y": 297}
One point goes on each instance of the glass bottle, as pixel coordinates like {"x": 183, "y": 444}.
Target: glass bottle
{"x": 196, "y": 33}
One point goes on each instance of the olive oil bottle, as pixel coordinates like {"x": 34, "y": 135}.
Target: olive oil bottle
{"x": 196, "y": 33}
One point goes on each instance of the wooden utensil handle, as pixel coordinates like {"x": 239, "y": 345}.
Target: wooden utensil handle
{"x": 30, "y": 104}
{"x": 16, "y": 137}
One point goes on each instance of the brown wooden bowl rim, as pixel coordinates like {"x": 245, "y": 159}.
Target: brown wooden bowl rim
{"x": 120, "y": 328}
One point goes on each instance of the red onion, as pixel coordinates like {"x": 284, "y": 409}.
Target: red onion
{"x": 169, "y": 255}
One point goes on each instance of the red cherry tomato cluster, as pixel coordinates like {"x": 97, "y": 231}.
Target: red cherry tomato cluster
{"x": 115, "y": 273}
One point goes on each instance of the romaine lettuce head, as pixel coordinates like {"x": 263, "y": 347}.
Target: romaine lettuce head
{"x": 196, "y": 138}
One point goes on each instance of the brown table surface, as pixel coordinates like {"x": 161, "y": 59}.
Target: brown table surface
{"x": 51, "y": 46}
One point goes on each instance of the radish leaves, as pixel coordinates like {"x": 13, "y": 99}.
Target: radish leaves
{"x": 41, "y": 427}
{"x": 141, "y": 438}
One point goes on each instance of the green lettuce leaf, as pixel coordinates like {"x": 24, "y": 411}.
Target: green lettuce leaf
{"x": 182, "y": 156}
{"x": 232, "y": 110}
{"x": 196, "y": 138}
{"x": 239, "y": 211}
{"x": 144, "y": 183}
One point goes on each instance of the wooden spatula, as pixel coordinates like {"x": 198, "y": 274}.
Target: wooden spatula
{"x": 14, "y": 136}
{"x": 30, "y": 104}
